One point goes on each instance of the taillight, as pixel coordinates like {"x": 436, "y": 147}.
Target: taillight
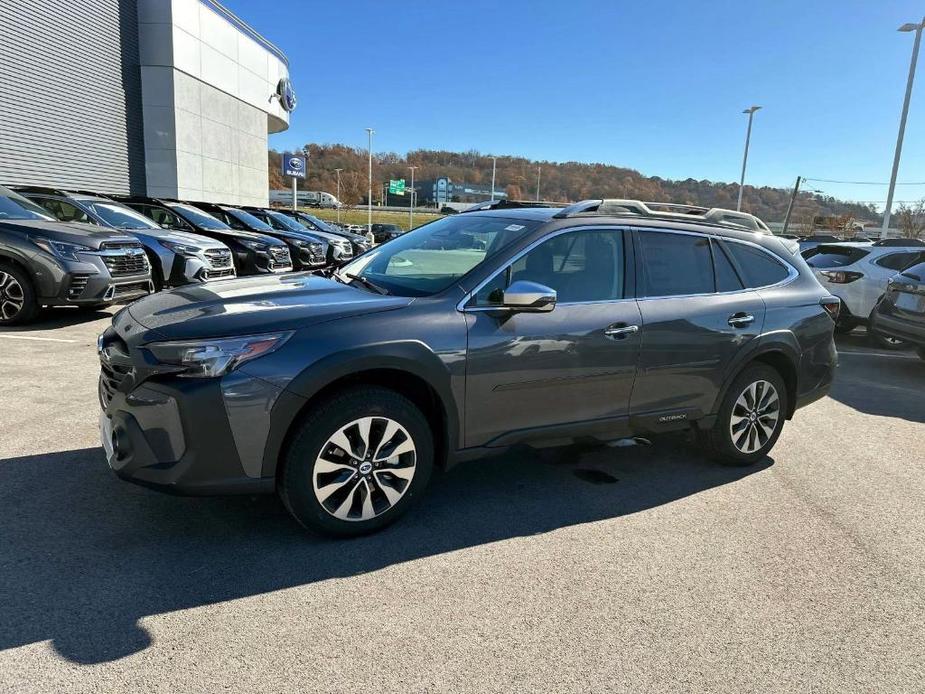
{"x": 832, "y": 306}
{"x": 841, "y": 276}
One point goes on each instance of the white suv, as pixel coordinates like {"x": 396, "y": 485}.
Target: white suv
{"x": 858, "y": 275}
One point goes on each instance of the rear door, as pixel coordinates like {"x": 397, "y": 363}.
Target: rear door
{"x": 698, "y": 315}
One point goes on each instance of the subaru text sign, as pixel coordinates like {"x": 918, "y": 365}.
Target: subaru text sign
{"x": 294, "y": 165}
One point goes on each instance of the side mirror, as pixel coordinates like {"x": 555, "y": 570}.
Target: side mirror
{"x": 529, "y": 296}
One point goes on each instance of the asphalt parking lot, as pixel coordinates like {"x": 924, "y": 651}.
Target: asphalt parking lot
{"x": 612, "y": 569}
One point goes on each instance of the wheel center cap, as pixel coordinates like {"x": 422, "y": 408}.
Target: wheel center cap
{"x": 365, "y": 467}
{"x": 752, "y": 416}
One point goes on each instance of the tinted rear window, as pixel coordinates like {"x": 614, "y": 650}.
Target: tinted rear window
{"x": 727, "y": 280}
{"x": 757, "y": 268}
{"x": 833, "y": 256}
{"x": 676, "y": 264}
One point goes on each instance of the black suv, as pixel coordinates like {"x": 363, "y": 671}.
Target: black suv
{"x": 44, "y": 262}
{"x": 458, "y": 339}
{"x": 358, "y": 242}
{"x": 900, "y": 313}
{"x": 337, "y": 249}
{"x": 308, "y": 252}
{"x": 252, "y": 253}
{"x": 385, "y": 232}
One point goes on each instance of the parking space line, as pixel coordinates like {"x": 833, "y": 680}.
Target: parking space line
{"x": 39, "y": 339}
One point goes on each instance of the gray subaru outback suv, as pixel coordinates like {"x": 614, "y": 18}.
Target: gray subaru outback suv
{"x": 44, "y": 262}
{"x": 513, "y": 325}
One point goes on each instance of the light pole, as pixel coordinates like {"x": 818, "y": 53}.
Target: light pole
{"x": 369, "y": 199}
{"x": 338, "y": 194}
{"x": 748, "y": 136}
{"x": 494, "y": 166}
{"x": 539, "y": 171}
{"x": 917, "y": 28}
{"x": 411, "y": 207}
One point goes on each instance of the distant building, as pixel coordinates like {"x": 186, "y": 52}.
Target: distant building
{"x": 443, "y": 190}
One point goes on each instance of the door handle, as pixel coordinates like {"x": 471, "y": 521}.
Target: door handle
{"x": 620, "y": 332}
{"x": 740, "y": 320}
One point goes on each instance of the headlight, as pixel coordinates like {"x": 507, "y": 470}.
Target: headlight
{"x": 182, "y": 248}
{"x": 61, "y": 249}
{"x": 258, "y": 246}
{"x": 212, "y": 358}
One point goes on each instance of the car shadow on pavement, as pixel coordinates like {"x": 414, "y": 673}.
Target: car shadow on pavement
{"x": 85, "y": 556}
{"x": 872, "y": 381}
{"x": 54, "y": 318}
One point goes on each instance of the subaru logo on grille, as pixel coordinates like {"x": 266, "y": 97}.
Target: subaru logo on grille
{"x": 134, "y": 251}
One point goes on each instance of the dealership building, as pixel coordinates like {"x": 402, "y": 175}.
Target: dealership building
{"x": 169, "y": 98}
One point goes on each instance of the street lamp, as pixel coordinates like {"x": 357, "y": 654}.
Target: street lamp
{"x": 494, "y": 165}
{"x": 411, "y": 207}
{"x": 539, "y": 171}
{"x": 748, "y": 135}
{"x": 917, "y": 28}
{"x": 369, "y": 198}
{"x": 338, "y": 194}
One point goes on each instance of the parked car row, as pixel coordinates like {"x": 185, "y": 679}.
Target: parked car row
{"x": 63, "y": 247}
{"x": 858, "y": 274}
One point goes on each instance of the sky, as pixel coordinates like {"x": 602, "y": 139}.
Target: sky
{"x": 656, "y": 86}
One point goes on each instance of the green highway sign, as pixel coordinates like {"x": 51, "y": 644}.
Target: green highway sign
{"x": 397, "y": 187}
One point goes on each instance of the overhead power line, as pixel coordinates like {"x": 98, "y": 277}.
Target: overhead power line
{"x": 863, "y": 183}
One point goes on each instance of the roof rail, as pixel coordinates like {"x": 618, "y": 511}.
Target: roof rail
{"x": 505, "y": 204}
{"x": 620, "y": 207}
{"x": 44, "y": 190}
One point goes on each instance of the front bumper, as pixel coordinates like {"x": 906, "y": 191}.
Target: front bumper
{"x": 87, "y": 282}
{"x": 191, "y": 436}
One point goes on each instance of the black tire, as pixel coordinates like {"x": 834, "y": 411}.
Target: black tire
{"x": 297, "y": 478}
{"x": 843, "y": 327}
{"x": 16, "y": 289}
{"x": 718, "y": 441}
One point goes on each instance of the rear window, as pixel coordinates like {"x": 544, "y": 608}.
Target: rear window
{"x": 899, "y": 261}
{"x": 833, "y": 256}
{"x": 758, "y": 269}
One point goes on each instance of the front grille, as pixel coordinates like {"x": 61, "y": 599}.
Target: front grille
{"x": 121, "y": 291}
{"x": 115, "y": 367}
{"x": 219, "y": 259}
{"x": 208, "y": 275}
{"x": 280, "y": 258}
{"x": 124, "y": 259}
{"x": 78, "y": 285}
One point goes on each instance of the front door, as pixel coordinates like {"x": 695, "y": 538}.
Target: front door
{"x": 530, "y": 371}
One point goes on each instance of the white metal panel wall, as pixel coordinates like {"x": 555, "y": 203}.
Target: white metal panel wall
{"x": 70, "y": 95}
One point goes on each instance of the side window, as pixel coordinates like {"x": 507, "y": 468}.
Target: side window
{"x": 165, "y": 218}
{"x": 65, "y": 211}
{"x": 580, "y": 266}
{"x": 758, "y": 268}
{"x": 676, "y": 264}
{"x": 727, "y": 279}
{"x": 897, "y": 261}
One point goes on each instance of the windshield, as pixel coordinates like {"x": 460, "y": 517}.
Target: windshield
{"x": 120, "y": 216}
{"x": 15, "y": 206}
{"x": 287, "y": 221}
{"x": 249, "y": 220}
{"x": 430, "y": 258}
{"x": 320, "y": 224}
{"x": 198, "y": 217}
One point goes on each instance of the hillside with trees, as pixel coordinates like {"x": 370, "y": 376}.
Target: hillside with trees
{"x": 560, "y": 181}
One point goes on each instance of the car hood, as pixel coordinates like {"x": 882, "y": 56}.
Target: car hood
{"x": 69, "y": 232}
{"x": 176, "y": 237}
{"x": 253, "y": 305}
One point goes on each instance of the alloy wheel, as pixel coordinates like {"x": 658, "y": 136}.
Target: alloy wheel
{"x": 364, "y": 468}
{"x": 754, "y": 416}
{"x": 12, "y": 296}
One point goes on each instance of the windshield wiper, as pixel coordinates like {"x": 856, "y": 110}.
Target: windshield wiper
{"x": 366, "y": 283}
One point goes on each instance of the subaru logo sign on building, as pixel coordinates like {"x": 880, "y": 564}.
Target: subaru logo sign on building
{"x": 294, "y": 165}
{"x": 286, "y": 95}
